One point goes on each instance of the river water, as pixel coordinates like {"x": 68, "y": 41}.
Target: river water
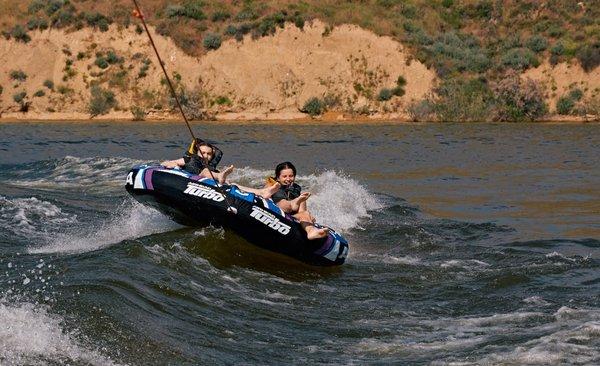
{"x": 469, "y": 244}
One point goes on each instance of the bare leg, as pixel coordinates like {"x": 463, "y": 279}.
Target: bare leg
{"x": 266, "y": 192}
{"x": 311, "y": 231}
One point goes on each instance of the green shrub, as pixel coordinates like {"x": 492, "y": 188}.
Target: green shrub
{"x": 565, "y": 105}
{"x": 36, "y": 6}
{"x": 49, "y": 84}
{"x": 246, "y": 14}
{"x": 463, "y": 100}
{"x": 458, "y": 52}
{"x": 388, "y": 3}
{"x": 385, "y": 94}
{"x": 314, "y": 107}
{"x": 101, "y": 102}
{"x": 518, "y": 100}
{"x": 101, "y": 62}
{"x": 39, "y": 93}
{"x": 19, "y": 97}
{"x": 112, "y": 58}
{"x": 223, "y": 100}
{"x": 589, "y": 56}
{"x": 97, "y": 20}
{"x": 191, "y": 9}
{"x": 231, "y": 30}
{"x": 139, "y": 113}
{"x": 18, "y": 75}
{"x": 36, "y": 23}
{"x": 398, "y": 91}
{"x": 65, "y": 90}
{"x": 212, "y": 41}
{"x": 220, "y": 15}
{"x": 299, "y": 21}
{"x": 558, "y": 49}
{"x": 401, "y": 81}
{"x": 1, "y": 89}
{"x": 537, "y": 43}
{"x": 20, "y": 34}
{"x": 576, "y": 94}
{"x": 53, "y": 6}
{"x": 520, "y": 59}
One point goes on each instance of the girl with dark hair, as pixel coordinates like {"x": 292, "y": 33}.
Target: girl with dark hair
{"x": 291, "y": 200}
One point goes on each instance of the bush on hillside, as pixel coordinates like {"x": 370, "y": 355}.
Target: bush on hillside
{"x": 18, "y": 75}
{"x": 49, "y": 84}
{"x": 220, "y": 15}
{"x": 458, "y": 52}
{"x": 212, "y": 41}
{"x": 421, "y": 111}
{"x": 1, "y": 89}
{"x": 537, "y": 43}
{"x": 20, "y": 34}
{"x": 39, "y": 93}
{"x": 463, "y": 100}
{"x": 97, "y": 20}
{"x": 314, "y": 107}
{"x": 589, "y": 56}
{"x": 558, "y": 49}
{"x": 385, "y": 94}
{"x": 191, "y": 9}
{"x": 566, "y": 103}
{"x": 19, "y": 97}
{"x": 518, "y": 100}
{"x": 520, "y": 59}
{"x": 101, "y": 101}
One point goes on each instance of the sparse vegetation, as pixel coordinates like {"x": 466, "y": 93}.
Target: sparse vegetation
{"x": 18, "y": 75}
{"x": 19, "y": 97}
{"x": 49, "y": 84}
{"x": 39, "y": 93}
{"x": 565, "y": 104}
{"x": 518, "y": 100}
{"x": 314, "y": 107}
{"x": 212, "y": 41}
{"x": 101, "y": 101}
{"x": 139, "y": 113}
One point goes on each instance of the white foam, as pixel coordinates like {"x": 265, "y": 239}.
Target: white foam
{"x": 337, "y": 200}
{"x": 466, "y": 264}
{"x": 90, "y": 173}
{"x": 29, "y": 334}
{"x": 132, "y": 220}
{"x": 31, "y": 216}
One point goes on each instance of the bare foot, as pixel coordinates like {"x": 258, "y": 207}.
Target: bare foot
{"x": 269, "y": 191}
{"x": 313, "y": 233}
{"x": 297, "y": 201}
{"x": 225, "y": 173}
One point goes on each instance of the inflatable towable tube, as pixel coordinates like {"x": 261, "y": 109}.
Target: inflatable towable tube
{"x": 193, "y": 201}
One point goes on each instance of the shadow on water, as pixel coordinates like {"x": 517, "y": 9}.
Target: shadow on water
{"x": 224, "y": 249}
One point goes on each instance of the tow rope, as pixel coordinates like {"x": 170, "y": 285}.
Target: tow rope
{"x": 137, "y": 12}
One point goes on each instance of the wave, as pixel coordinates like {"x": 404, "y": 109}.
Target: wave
{"x": 32, "y": 217}
{"x": 567, "y": 335}
{"x": 337, "y": 200}
{"x": 131, "y": 220}
{"x": 31, "y": 335}
{"x": 95, "y": 174}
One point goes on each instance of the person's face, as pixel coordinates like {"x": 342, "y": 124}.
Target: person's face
{"x": 286, "y": 177}
{"x": 205, "y": 152}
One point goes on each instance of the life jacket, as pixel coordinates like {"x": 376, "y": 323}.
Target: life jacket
{"x": 195, "y": 164}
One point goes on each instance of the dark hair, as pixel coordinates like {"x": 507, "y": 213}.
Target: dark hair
{"x": 284, "y": 165}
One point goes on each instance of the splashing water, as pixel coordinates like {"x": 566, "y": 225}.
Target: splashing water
{"x": 31, "y": 335}
{"x": 337, "y": 201}
{"x": 131, "y": 221}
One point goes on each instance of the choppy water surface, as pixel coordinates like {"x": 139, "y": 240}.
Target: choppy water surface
{"x": 470, "y": 244}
